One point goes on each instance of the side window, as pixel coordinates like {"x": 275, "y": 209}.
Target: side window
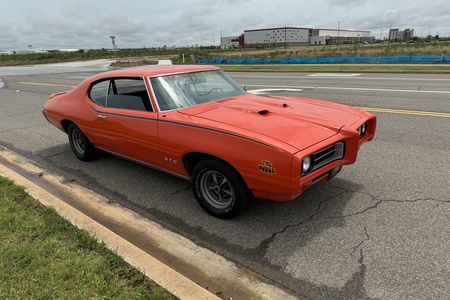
{"x": 128, "y": 93}
{"x": 99, "y": 91}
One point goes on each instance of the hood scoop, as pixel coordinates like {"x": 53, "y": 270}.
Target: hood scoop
{"x": 263, "y": 112}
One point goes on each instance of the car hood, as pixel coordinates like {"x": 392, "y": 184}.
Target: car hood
{"x": 298, "y": 122}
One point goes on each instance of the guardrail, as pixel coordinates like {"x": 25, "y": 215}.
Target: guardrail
{"x": 331, "y": 60}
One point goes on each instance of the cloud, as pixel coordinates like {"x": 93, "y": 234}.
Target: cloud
{"x": 88, "y": 24}
{"x": 347, "y": 3}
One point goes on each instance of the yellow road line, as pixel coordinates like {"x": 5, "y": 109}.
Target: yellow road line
{"x": 407, "y": 112}
{"x": 45, "y": 84}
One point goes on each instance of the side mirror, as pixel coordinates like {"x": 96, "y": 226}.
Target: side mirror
{"x": 244, "y": 87}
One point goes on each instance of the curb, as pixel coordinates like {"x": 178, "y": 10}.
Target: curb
{"x": 160, "y": 273}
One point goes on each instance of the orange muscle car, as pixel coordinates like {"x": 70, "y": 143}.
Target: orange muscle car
{"x": 196, "y": 123}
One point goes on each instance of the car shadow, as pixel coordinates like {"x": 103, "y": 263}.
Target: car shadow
{"x": 171, "y": 198}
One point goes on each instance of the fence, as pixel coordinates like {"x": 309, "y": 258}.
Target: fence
{"x": 331, "y": 60}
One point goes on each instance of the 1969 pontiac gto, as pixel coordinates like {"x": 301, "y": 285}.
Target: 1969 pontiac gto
{"x": 196, "y": 123}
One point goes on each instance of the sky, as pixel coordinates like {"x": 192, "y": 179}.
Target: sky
{"x": 46, "y": 24}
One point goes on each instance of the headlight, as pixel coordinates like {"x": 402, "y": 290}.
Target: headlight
{"x": 362, "y": 130}
{"x": 306, "y": 165}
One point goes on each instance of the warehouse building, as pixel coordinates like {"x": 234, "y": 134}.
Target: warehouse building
{"x": 230, "y": 42}
{"x": 339, "y": 36}
{"x": 295, "y": 36}
{"x": 276, "y": 37}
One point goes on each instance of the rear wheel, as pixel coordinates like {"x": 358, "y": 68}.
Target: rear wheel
{"x": 218, "y": 189}
{"x": 81, "y": 146}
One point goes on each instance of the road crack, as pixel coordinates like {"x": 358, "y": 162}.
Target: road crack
{"x": 380, "y": 201}
{"x": 181, "y": 190}
{"x": 264, "y": 245}
{"x": 360, "y": 244}
{"x": 354, "y": 287}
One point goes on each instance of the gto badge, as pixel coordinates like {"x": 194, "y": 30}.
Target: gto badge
{"x": 174, "y": 161}
{"x": 266, "y": 167}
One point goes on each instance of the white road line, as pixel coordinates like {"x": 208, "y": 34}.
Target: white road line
{"x": 347, "y": 88}
{"x": 333, "y": 75}
{"x": 263, "y": 91}
{"x": 350, "y": 78}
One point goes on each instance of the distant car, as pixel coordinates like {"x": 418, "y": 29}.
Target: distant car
{"x": 197, "y": 123}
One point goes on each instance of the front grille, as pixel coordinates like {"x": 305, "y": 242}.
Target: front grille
{"x": 327, "y": 155}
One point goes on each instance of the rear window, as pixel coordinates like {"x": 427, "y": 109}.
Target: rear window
{"x": 99, "y": 92}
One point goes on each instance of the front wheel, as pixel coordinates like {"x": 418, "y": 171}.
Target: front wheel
{"x": 218, "y": 189}
{"x": 81, "y": 146}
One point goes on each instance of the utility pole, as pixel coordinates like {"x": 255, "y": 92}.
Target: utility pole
{"x": 339, "y": 29}
{"x": 389, "y": 39}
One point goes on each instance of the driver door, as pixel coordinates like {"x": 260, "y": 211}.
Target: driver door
{"x": 127, "y": 124}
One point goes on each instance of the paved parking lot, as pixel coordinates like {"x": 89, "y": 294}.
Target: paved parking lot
{"x": 380, "y": 229}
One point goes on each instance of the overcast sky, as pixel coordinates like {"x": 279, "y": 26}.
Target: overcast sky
{"x": 88, "y": 24}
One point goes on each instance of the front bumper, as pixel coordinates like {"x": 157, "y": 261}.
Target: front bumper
{"x": 298, "y": 184}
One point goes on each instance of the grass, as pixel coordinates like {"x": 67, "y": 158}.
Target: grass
{"x": 42, "y": 256}
{"x": 382, "y": 49}
{"x": 421, "y": 47}
{"x": 126, "y": 64}
{"x": 358, "y": 68}
{"x": 57, "y": 57}
{"x": 150, "y": 55}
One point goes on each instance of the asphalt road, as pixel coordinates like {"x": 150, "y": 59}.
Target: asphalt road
{"x": 380, "y": 229}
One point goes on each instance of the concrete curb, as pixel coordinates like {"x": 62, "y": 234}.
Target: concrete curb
{"x": 163, "y": 275}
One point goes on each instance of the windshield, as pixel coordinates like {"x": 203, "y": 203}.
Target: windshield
{"x": 188, "y": 89}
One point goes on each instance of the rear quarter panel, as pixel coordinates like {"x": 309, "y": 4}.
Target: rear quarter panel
{"x": 73, "y": 107}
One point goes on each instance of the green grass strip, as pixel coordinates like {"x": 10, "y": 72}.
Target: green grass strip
{"x": 42, "y": 256}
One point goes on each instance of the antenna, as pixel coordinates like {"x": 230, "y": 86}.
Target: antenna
{"x": 113, "y": 39}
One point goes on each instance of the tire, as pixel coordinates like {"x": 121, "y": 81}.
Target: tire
{"x": 219, "y": 190}
{"x": 80, "y": 144}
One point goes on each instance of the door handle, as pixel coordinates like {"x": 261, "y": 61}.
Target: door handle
{"x": 102, "y": 116}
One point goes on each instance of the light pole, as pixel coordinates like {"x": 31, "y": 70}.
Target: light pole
{"x": 339, "y": 29}
{"x": 389, "y": 39}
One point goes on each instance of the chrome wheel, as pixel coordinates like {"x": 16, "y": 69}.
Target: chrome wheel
{"x": 80, "y": 144}
{"x": 216, "y": 189}
{"x": 78, "y": 141}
